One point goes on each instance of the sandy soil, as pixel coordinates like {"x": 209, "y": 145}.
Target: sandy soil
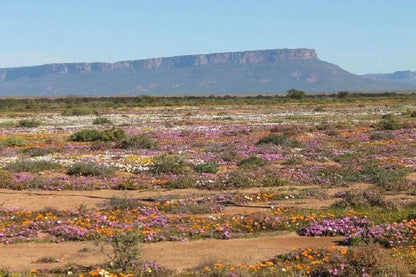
{"x": 64, "y": 200}
{"x": 173, "y": 255}
{"x": 411, "y": 176}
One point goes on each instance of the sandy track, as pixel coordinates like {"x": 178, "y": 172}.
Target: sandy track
{"x": 64, "y": 200}
{"x": 174, "y": 255}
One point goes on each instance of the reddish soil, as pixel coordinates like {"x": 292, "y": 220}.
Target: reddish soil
{"x": 173, "y": 255}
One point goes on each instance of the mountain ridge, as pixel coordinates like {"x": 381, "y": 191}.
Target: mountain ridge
{"x": 257, "y": 71}
{"x": 242, "y": 57}
{"x": 397, "y": 76}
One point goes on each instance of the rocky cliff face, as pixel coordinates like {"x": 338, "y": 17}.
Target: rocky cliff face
{"x": 237, "y": 58}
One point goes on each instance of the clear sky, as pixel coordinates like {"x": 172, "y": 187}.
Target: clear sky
{"x": 361, "y": 36}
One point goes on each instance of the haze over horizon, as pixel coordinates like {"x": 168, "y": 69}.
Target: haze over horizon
{"x": 361, "y": 37}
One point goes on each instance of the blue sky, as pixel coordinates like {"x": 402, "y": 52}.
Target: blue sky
{"x": 360, "y": 36}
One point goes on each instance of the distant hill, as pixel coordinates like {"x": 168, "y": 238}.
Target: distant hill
{"x": 405, "y": 76}
{"x": 260, "y": 71}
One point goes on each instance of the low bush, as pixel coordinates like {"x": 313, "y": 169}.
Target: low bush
{"x": 90, "y": 135}
{"x": 296, "y": 94}
{"x": 78, "y": 111}
{"x": 282, "y": 140}
{"x": 32, "y": 166}
{"x": 113, "y": 134}
{"x": 293, "y": 161}
{"x": 362, "y": 199}
{"x": 143, "y": 141}
{"x": 253, "y": 161}
{"x": 388, "y": 123}
{"x": 229, "y": 155}
{"x": 235, "y": 179}
{"x": 121, "y": 203}
{"x": 169, "y": 163}
{"x": 86, "y": 135}
{"x": 381, "y": 136}
{"x": 89, "y": 169}
{"x": 390, "y": 178}
{"x": 125, "y": 247}
{"x": 38, "y": 152}
{"x": 6, "y": 179}
{"x": 101, "y": 121}
{"x": 364, "y": 260}
{"x": 28, "y": 123}
{"x": 208, "y": 167}
{"x": 180, "y": 183}
{"x": 13, "y": 141}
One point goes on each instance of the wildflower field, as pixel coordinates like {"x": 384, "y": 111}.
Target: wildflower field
{"x": 261, "y": 186}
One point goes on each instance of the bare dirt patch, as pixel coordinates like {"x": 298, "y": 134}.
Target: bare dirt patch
{"x": 173, "y": 255}
{"x": 411, "y": 176}
{"x": 182, "y": 255}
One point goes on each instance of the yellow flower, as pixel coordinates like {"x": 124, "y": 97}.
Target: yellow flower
{"x": 269, "y": 263}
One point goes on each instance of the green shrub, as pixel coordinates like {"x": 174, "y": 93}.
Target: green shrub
{"x": 292, "y": 161}
{"x": 169, "y": 163}
{"x": 37, "y": 152}
{"x": 9, "y": 123}
{"x": 143, "y": 141}
{"x": 78, "y": 111}
{"x": 90, "y": 135}
{"x": 208, "y": 167}
{"x": 343, "y": 94}
{"x": 100, "y": 145}
{"x": 348, "y": 157}
{"x": 89, "y": 169}
{"x": 121, "y": 203}
{"x": 253, "y": 161}
{"x": 4, "y": 272}
{"x": 362, "y": 198}
{"x": 296, "y": 94}
{"x": 180, "y": 183}
{"x": 113, "y": 135}
{"x": 229, "y": 155}
{"x": 381, "y": 135}
{"x": 101, "y": 121}
{"x": 272, "y": 181}
{"x": 389, "y": 123}
{"x": 13, "y": 141}
{"x": 363, "y": 260}
{"x": 282, "y": 140}
{"x": 86, "y": 135}
{"x": 28, "y": 123}
{"x": 237, "y": 179}
{"x": 125, "y": 247}
{"x": 32, "y": 166}
{"x": 388, "y": 178}
{"x": 6, "y": 179}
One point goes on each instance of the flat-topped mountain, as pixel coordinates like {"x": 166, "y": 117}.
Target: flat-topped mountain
{"x": 259, "y": 71}
{"x": 398, "y": 76}
{"x": 238, "y": 58}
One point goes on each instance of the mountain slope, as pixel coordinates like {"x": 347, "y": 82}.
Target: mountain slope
{"x": 237, "y": 72}
{"x": 405, "y": 76}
